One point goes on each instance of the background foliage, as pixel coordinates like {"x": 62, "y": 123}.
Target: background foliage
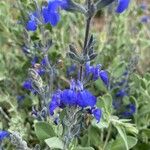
{"x": 120, "y": 39}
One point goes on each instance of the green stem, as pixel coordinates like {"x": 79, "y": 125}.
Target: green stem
{"x": 107, "y": 137}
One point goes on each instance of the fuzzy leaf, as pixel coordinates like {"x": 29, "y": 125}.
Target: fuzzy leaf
{"x": 123, "y": 135}
{"x": 118, "y": 144}
{"x": 44, "y": 130}
{"x": 54, "y": 142}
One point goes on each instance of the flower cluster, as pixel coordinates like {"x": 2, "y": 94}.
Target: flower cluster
{"x": 122, "y": 91}
{"x": 75, "y": 96}
{"x": 40, "y": 70}
{"x": 48, "y": 14}
{"x": 145, "y": 10}
{"x": 96, "y": 73}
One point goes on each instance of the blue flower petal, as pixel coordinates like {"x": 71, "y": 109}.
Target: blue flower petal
{"x": 50, "y": 17}
{"x": 27, "y": 84}
{"x": 53, "y": 5}
{"x": 97, "y": 114}
{"x": 85, "y": 99}
{"x": 31, "y": 25}
{"x": 122, "y": 6}
{"x": 3, "y": 134}
{"x": 69, "y": 97}
{"x": 104, "y": 77}
{"x": 34, "y": 61}
{"x": 121, "y": 93}
{"x": 54, "y": 19}
{"x": 55, "y": 102}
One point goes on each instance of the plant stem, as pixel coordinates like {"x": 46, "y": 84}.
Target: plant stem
{"x": 107, "y": 137}
{"x": 88, "y": 21}
{"x": 86, "y": 35}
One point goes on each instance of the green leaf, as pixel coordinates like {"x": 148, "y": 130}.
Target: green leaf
{"x": 123, "y": 135}
{"x": 119, "y": 70}
{"x": 83, "y": 148}
{"x": 100, "y": 86}
{"x": 44, "y": 130}
{"x": 106, "y": 102}
{"x": 55, "y": 142}
{"x": 118, "y": 144}
{"x": 94, "y": 136}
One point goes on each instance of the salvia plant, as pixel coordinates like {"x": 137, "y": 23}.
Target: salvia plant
{"x": 80, "y": 105}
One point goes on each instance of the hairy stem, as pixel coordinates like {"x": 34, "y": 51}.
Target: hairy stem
{"x": 107, "y": 137}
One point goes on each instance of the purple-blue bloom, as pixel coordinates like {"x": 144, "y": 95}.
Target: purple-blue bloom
{"x": 122, "y": 5}
{"x": 145, "y": 19}
{"x": 34, "y": 61}
{"x": 97, "y": 114}
{"x": 75, "y": 96}
{"x": 130, "y": 110}
{"x": 85, "y": 99}
{"x": 71, "y": 69}
{"x": 121, "y": 93}
{"x": 20, "y": 98}
{"x": 96, "y": 72}
{"x": 55, "y": 102}
{"x": 51, "y": 14}
{"x": 27, "y": 85}
{"x": 3, "y": 134}
{"x": 104, "y": 77}
{"x": 143, "y": 6}
{"x": 68, "y": 97}
{"x": 32, "y": 23}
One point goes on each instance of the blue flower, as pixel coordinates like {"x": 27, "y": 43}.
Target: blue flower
{"x": 130, "y": 110}
{"x": 121, "y": 93}
{"x": 96, "y": 73}
{"x": 51, "y": 14}
{"x": 50, "y": 17}
{"x": 34, "y": 61}
{"x": 88, "y": 69}
{"x": 85, "y": 99}
{"x": 20, "y": 98}
{"x": 97, "y": 114}
{"x": 41, "y": 71}
{"x": 143, "y": 6}
{"x": 3, "y": 134}
{"x": 55, "y": 102}
{"x": 71, "y": 70}
{"x": 104, "y": 77}
{"x": 145, "y": 19}
{"x": 43, "y": 62}
{"x": 27, "y": 85}
{"x": 31, "y": 25}
{"x": 122, "y": 5}
{"x": 68, "y": 97}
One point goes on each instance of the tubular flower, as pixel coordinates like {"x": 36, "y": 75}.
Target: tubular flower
{"x": 122, "y": 5}
{"x": 32, "y": 23}
{"x": 75, "y": 96}
{"x": 121, "y": 93}
{"x": 3, "y": 134}
{"x": 130, "y": 110}
{"x": 49, "y": 14}
{"x": 96, "y": 72}
{"x": 97, "y": 114}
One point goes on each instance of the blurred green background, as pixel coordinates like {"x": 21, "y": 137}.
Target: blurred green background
{"x": 119, "y": 38}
